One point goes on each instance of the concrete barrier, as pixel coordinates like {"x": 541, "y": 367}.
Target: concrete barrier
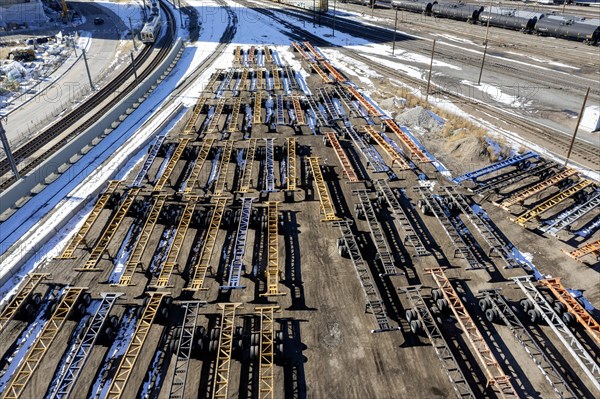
{"x": 53, "y": 164}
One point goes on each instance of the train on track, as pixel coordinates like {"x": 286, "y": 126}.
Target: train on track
{"x": 151, "y": 30}
{"x": 527, "y": 21}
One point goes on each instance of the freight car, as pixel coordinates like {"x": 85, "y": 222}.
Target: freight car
{"x": 422, "y": 6}
{"x": 569, "y": 28}
{"x": 458, "y": 11}
{"x": 506, "y": 18}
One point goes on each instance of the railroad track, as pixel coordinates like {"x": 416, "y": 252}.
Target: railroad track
{"x": 84, "y": 112}
{"x": 586, "y": 152}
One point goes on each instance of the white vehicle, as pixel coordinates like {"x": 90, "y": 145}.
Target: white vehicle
{"x": 151, "y": 30}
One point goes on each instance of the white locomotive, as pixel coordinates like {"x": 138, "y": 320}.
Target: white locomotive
{"x": 151, "y": 30}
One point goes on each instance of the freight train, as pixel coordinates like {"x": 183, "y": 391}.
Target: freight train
{"x": 528, "y": 21}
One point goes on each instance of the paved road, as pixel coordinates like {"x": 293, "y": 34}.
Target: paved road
{"x": 71, "y": 87}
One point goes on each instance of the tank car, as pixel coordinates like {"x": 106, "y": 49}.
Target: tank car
{"x": 421, "y": 6}
{"x": 569, "y": 28}
{"x": 506, "y": 18}
{"x": 459, "y": 11}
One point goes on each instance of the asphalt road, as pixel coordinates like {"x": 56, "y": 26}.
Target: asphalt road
{"x": 72, "y": 86}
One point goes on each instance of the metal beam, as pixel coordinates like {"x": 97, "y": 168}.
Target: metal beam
{"x": 256, "y": 114}
{"x": 235, "y": 113}
{"x": 239, "y": 247}
{"x": 72, "y": 368}
{"x": 572, "y": 215}
{"x": 272, "y": 270}
{"x": 347, "y": 243}
{"x": 533, "y": 348}
{"x": 110, "y": 230}
{"x": 31, "y": 281}
{"x": 410, "y": 233}
{"x": 221, "y": 380}
{"x": 198, "y": 272}
{"x": 494, "y": 167}
{"x": 237, "y": 54}
{"x": 313, "y": 51}
{"x": 363, "y": 101}
{"x": 166, "y": 175}
{"x": 496, "y": 378}
{"x": 190, "y": 126}
{"x": 89, "y": 221}
{"x": 224, "y": 168}
{"x": 384, "y": 255}
{"x": 136, "y": 255}
{"x": 389, "y": 150}
{"x": 560, "y": 329}
{"x": 276, "y": 78}
{"x": 439, "y": 343}
{"x": 40, "y": 345}
{"x": 248, "y": 165}
{"x": 584, "y": 250}
{"x": 127, "y": 363}
{"x": 270, "y": 166}
{"x": 200, "y": 160}
{"x": 291, "y": 164}
{"x": 300, "y": 120}
{"x": 324, "y": 77}
{"x": 326, "y": 206}
{"x": 183, "y": 352}
{"x": 300, "y": 50}
{"x": 214, "y": 122}
{"x": 347, "y": 168}
{"x": 266, "y": 351}
{"x": 552, "y": 202}
{"x": 182, "y": 228}
{"x": 267, "y": 53}
{"x": 367, "y": 151}
{"x": 334, "y": 72}
{"x": 574, "y": 307}
{"x": 413, "y": 148}
{"x": 522, "y": 195}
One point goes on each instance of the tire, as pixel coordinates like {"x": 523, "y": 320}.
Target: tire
{"x": 484, "y": 304}
{"x": 29, "y": 310}
{"x": 436, "y": 294}
{"x": 140, "y": 312}
{"x": 411, "y": 315}
{"x": 254, "y": 352}
{"x": 36, "y": 299}
{"x": 559, "y": 308}
{"x": 212, "y": 346}
{"x": 214, "y": 334}
{"x": 86, "y": 299}
{"x": 534, "y": 315}
{"x": 168, "y": 301}
{"x": 113, "y": 320}
{"x": 279, "y": 336}
{"x": 416, "y": 327}
{"x": 255, "y": 339}
{"x": 442, "y": 304}
{"x": 526, "y": 305}
{"x": 491, "y": 315}
{"x": 568, "y": 318}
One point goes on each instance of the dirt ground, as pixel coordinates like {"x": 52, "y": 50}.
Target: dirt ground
{"x": 327, "y": 348}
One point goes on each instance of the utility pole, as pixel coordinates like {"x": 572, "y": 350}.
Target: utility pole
{"x": 180, "y": 15}
{"x": 430, "y": 68}
{"x": 334, "y": 4}
{"x": 8, "y": 152}
{"x": 587, "y": 92}
{"x": 132, "y": 36}
{"x": 395, "y": 29}
{"x": 87, "y": 68}
{"x": 487, "y": 31}
{"x": 133, "y": 66}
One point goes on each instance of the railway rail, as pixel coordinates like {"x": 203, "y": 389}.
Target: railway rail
{"x": 39, "y": 149}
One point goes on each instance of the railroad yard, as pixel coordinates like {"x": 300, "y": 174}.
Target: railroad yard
{"x": 290, "y": 227}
